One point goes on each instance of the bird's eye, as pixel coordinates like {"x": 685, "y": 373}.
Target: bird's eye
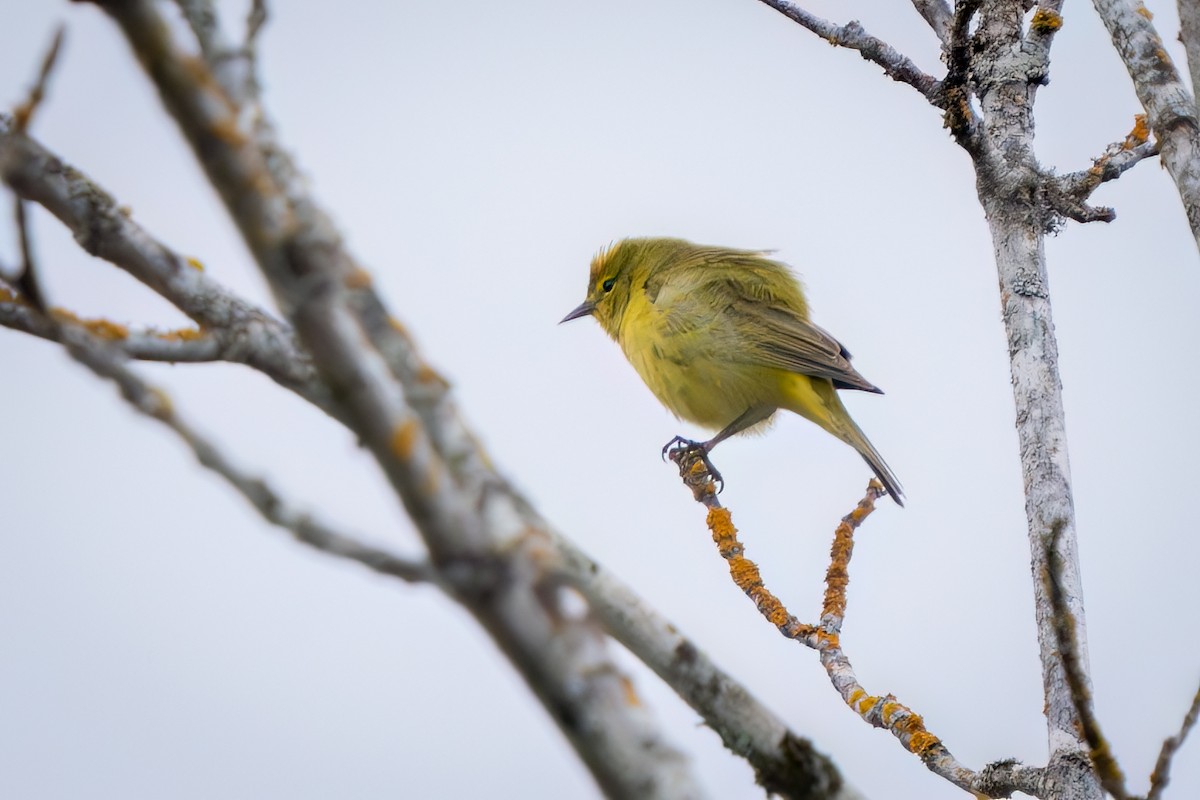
{"x": 608, "y": 284}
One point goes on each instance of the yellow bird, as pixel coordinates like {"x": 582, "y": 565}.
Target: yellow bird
{"x": 722, "y": 338}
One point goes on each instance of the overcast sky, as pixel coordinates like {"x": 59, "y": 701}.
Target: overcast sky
{"x": 159, "y": 640}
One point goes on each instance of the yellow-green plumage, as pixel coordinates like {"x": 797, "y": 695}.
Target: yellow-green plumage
{"x": 722, "y": 338}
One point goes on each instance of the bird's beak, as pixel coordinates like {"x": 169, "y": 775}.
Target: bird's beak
{"x": 582, "y": 310}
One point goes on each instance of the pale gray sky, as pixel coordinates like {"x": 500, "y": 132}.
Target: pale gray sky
{"x": 161, "y": 641}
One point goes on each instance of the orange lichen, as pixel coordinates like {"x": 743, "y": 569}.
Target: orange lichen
{"x": 1140, "y": 133}
{"x": 403, "y": 438}
{"x": 1046, "y": 21}
{"x": 865, "y": 704}
{"x": 1145, "y": 12}
{"x": 180, "y": 335}
{"x": 102, "y": 328}
{"x": 194, "y": 263}
{"x": 358, "y": 279}
{"x": 106, "y": 330}
{"x": 631, "y": 695}
{"x": 427, "y": 374}
{"x": 747, "y": 577}
{"x": 8, "y": 297}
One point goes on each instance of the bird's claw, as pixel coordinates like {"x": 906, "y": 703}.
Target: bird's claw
{"x": 680, "y": 448}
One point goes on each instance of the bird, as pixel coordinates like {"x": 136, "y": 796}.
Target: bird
{"x": 722, "y": 337}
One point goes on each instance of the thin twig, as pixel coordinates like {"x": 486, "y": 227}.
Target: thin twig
{"x": 1105, "y": 764}
{"x": 896, "y": 65}
{"x": 23, "y": 113}
{"x": 1068, "y": 192}
{"x": 1162, "y": 767}
{"x": 27, "y": 280}
{"x": 107, "y": 362}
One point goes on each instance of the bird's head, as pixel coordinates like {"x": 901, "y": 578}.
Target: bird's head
{"x": 615, "y": 271}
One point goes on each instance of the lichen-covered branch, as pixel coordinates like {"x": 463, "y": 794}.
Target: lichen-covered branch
{"x": 1067, "y": 194}
{"x": 825, "y": 637}
{"x": 1170, "y": 107}
{"x": 187, "y": 345}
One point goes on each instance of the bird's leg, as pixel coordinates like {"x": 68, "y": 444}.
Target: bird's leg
{"x": 679, "y": 447}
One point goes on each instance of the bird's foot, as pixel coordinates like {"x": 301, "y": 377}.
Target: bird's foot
{"x": 686, "y": 452}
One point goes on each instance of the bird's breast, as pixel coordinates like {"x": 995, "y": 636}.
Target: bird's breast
{"x": 690, "y": 368}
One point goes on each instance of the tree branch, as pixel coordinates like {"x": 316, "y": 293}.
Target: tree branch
{"x": 825, "y": 636}
{"x": 1170, "y": 107}
{"x": 896, "y": 65}
{"x": 107, "y": 362}
{"x": 1162, "y": 767}
{"x": 937, "y": 13}
{"x": 246, "y": 334}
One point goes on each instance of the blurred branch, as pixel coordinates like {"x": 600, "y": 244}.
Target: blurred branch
{"x": 470, "y": 520}
{"x": 188, "y": 345}
{"x": 784, "y": 764}
{"x": 107, "y": 362}
{"x": 244, "y": 334}
{"x": 1170, "y": 107}
{"x": 23, "y": 113}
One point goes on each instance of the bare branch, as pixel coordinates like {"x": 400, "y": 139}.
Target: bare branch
{"x": 1162, "y": 767}
{"x": 937, "y": 13}
{"x": 106, "y": 362}
{"x": 27, "y": 280}
{"x": 896, "y": 65}
{"x": 23, "y": 113}
{"x": 1170, "y": 107}
{"x": 1105, "y": 764}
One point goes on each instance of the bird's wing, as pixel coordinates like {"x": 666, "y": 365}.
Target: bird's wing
{"x": 753, "y": 316}
{"x": 784, "y": 340}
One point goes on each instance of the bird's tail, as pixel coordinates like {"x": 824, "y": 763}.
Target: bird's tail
{"x": 858, "y": 440}
{"x": 816, "y": 399}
